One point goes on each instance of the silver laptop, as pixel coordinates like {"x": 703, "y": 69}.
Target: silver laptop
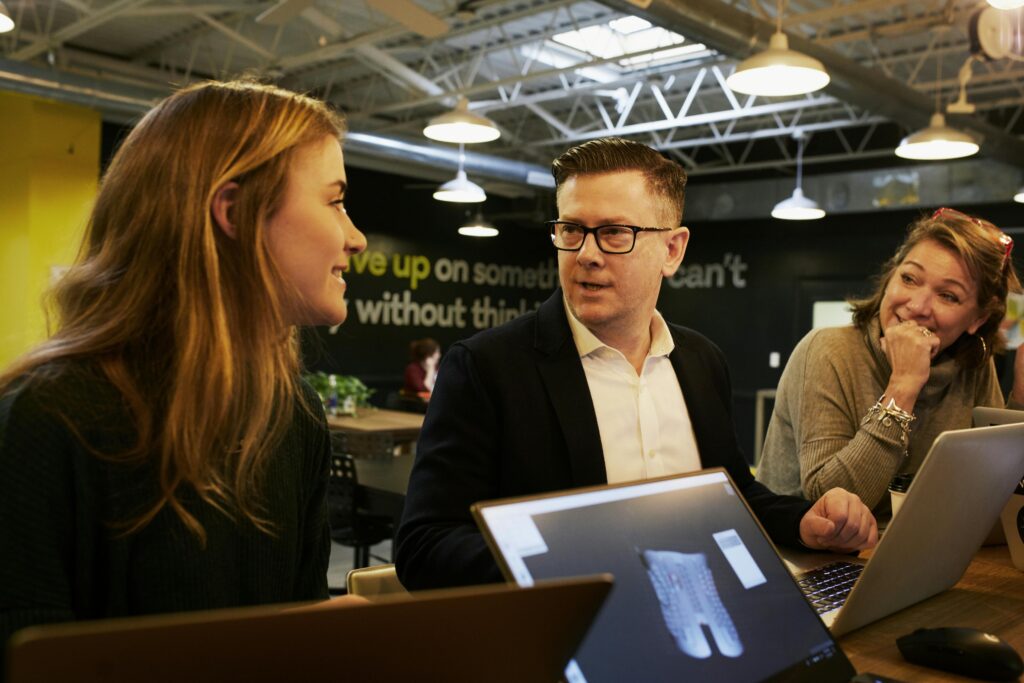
{"x": 700, "y": 592}
{"x": 954, "y": 500}
{"x": 989, "y": 417}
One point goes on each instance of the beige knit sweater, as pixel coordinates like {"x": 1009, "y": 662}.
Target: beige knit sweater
{"x": 817, "y": 438}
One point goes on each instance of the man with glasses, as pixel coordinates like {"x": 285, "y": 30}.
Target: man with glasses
{"x": 594, "y": 387}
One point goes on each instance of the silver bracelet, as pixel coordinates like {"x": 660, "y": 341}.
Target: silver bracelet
{"x": 891, "y": 414}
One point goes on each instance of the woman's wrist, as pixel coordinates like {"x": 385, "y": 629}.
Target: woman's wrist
{"x": 904, "y": 394}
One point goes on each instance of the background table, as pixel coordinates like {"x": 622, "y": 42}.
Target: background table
{"x": 375, "y": 432}
{"x": 990, "y": 597}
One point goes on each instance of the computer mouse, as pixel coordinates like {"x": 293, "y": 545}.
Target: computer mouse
{"x": 964, "y": 651}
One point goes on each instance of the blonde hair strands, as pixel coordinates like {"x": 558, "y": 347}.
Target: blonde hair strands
{"x": 185, "y": 321}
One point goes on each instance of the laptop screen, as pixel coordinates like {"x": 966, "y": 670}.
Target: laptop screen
{"x": 700, "y": 593}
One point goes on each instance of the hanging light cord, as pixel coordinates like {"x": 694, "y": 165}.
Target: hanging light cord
{"x": 800, "y": 161}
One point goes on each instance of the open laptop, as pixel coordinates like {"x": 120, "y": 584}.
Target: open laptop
{"x": 989, "y": 417}
{"x": 700, "y": 593}
{"x": 954, "y": 500}
{"x": 492, "y": 633}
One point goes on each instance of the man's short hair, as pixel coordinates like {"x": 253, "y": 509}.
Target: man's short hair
{"x": 664, "y": 177}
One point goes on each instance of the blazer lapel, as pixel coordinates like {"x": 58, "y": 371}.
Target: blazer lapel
{"x": 563, "y": 377}
{"x": 699, "y": 394}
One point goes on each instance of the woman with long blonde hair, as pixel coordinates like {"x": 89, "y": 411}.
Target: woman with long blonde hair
{"x": 159, "y": 452}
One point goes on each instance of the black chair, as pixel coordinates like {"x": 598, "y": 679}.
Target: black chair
{"x": 351, "y": 526}
{"x": 407, "y": 404}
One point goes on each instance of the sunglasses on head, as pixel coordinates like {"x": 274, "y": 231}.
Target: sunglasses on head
{"x": 1005, "y": 240}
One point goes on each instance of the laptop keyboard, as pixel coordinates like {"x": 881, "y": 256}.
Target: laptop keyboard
{"x": 826, "y": 587}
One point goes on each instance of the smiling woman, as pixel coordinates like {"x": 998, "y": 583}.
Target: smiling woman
{"x": 857, "y": 405}
{"x": 159, "y": 452}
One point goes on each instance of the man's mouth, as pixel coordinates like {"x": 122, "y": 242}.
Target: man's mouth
{"x": 591, "y": 287}
{"x": 339, "y": 273}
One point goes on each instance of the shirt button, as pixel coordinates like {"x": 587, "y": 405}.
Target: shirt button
{"x": 650, "y": 454}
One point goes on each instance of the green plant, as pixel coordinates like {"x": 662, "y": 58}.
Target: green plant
{"x": 347, "y": 386}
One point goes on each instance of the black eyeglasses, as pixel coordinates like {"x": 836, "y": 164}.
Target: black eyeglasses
{"x": 611, "y": 239}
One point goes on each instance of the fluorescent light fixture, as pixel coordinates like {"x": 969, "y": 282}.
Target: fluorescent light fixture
{"x": 478, "y": 227}
{"x": 778, "y": 72}
{"x": 461, "y": 125}
{"x": 937, "y": 141}
{"x": 6, "y": 22}
{"x": 1006, "y": 4}
{"x": 1019, "y": 197}
{"x": 798, "y": 207}
{"x": 460, "y": 189}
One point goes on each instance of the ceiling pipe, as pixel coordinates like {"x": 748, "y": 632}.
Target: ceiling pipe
{"x": 737, "y": 33}
{"x": 126, "y": 104}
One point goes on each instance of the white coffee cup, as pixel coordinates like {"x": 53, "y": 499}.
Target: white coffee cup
{"x": 898, "y": 491}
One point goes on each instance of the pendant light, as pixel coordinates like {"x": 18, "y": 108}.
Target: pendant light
{"x": 6, "y": 22}
{"x": 778, "y": 71}
{"x": 1006, "y": 4}
{"x": 1019, "y": 197}
{"x": 477, "y": 226}
{"x": 798, "y": 207}
{"x": 938, "y": 140}
{"x": 460, "y": 125}
{"x": 460, "y": 188}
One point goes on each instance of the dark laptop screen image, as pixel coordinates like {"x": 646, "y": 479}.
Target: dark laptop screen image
{"x": 699, "y": 592}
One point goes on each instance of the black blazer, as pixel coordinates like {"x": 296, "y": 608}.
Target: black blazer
{"x": 511, "y": 415}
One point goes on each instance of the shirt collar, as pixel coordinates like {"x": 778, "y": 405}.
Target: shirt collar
{"x": 587, "y": 343}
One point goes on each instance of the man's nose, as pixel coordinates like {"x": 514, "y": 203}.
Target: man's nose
{"x": 589, "y": 251}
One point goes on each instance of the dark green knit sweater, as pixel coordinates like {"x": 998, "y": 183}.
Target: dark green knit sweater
{"x": 61, "y": 558}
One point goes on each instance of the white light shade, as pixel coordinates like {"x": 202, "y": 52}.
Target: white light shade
{"x": 1006, "y": 4}
{"x": 937, "y": 141}
{"x": 478, "y": 227}
{"x": 1019, "y": 197}
{"x": 798, "y": 208}
{"x": 461, "y": 125}
{"x": 6, "y": 23}
{"x": 778, "y": 72}
{"x": 460, "y": 189}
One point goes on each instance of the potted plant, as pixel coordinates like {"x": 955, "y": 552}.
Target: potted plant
{"x": 341, "y": 394}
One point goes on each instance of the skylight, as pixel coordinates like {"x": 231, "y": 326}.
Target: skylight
{"x": 627, "y": 35}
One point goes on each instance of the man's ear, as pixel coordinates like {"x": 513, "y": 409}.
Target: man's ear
{"x": 220, "y": 207}
{"x": 677, "y": 241}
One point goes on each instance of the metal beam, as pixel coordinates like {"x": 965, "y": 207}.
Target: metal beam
{"x": 87, "y": 23}
{"x": 731, "y": 31}
{"x": 385, "y": 62}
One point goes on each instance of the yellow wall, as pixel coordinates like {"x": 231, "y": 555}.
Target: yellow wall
{"x": 49, "y": 171}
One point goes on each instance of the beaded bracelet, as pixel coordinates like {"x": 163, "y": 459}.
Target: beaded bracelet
{"x": 890, "y": 414}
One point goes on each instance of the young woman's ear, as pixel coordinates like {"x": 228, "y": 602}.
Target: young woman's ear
{"x": 220, "y": 207}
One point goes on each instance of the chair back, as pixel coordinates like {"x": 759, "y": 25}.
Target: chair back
{"x": 341, "y": 493}
{"x": 370, "y": 582}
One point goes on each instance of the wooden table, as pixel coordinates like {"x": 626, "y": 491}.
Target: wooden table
{"x": 375, "y": 432}
{"x": 378, "y": 421}
{"x": 990, "y": 597}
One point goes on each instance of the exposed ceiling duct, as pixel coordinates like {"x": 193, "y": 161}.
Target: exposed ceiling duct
{"x": 126, "y": 104}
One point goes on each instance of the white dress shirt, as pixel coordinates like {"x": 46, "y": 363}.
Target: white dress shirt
{"x": 644, "y": 424}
